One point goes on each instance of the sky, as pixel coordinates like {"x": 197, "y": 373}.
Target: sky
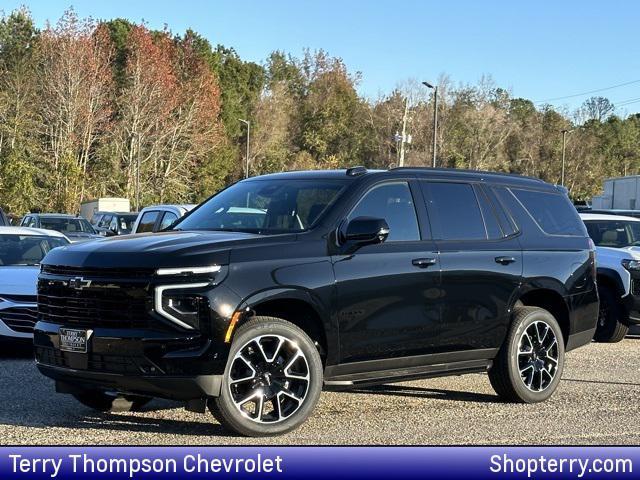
{"x": 538, "y": 50}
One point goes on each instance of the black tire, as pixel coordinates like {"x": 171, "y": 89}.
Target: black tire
{"x": 505, "y": 374}
{"x": 229, "y": 414}
{"x": 111, "y": 402}
{"x": 610, "y": 328}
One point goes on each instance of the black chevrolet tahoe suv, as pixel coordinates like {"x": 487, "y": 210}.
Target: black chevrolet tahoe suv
{"x": 283, "y": 284}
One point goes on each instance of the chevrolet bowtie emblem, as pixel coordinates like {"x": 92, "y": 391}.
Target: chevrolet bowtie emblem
{"x": 78, "y": 283}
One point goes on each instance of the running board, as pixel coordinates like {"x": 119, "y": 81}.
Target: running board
{"x": 405, "y": 374}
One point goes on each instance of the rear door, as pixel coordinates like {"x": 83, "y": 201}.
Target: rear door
{"x": 481, "y": 261}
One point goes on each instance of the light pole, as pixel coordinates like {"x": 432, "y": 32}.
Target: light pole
{"x": 435, "y": 118}
{"x": 564, "y": 147}
{"x": 246, "y": 163}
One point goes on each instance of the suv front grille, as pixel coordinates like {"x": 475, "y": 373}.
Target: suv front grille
{"x": 97, "y": 272}
{"x": 635, "y": 287}
{"x": 20, "y": 319}
{"x": 106, "y": 304}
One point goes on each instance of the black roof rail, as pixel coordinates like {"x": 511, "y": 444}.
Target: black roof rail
{"x": 355, "y": 171}
{"x": 469, "y": 172}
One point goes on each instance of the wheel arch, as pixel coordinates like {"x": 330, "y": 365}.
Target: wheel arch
{"x": 298, "y": 307}
{"x": 611, "y": 278}
{"x": 552, "y": 301}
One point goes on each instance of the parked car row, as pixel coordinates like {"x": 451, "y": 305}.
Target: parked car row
{"x": 103, "y": 224}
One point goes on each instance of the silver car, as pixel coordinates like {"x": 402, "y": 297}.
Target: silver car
{"x": 21, "y": 251}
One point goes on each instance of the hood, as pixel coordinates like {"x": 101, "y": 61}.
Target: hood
{"x": 19, "y": 280}
{"x": 155, "y": 250}
{"x": 618, "y": 253}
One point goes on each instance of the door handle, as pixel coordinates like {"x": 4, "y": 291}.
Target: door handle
{"x": 423, "y": 262}
{"x": 505, "y": 260}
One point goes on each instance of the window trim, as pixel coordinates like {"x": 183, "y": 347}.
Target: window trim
{"x": 369, "y": 188}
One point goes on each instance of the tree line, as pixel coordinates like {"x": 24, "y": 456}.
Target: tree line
{"x": 114, "y": 108}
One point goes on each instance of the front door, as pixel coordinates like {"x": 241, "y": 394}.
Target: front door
{"x": 388, "y": 292}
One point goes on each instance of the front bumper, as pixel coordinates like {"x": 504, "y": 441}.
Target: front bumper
{"x": 174, "y": 365}
{"x": 174, "y": 388}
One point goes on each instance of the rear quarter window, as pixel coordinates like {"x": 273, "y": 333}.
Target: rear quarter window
{"x": 553, "y": 212}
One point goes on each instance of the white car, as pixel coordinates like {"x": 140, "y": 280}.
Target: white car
{"x": 617, "y": 240}
{"x": 159, "y": 217}
{"x": 21, "y": 251}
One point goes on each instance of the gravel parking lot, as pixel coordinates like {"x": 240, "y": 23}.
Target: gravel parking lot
{"x": 597, "y": 403}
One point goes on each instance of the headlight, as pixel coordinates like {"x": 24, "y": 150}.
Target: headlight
{"x": 631, "y": 265}
{"x": 184, "y": 308}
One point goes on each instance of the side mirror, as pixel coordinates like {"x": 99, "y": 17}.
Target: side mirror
{"x": 366, "y": 231}
{"x": 110, "y": 233}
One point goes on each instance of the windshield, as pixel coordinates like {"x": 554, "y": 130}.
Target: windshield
{"x": 26, "y": 249}
{"x": 614, "y": 233}
{"x": 265, "y": 206}
{"x": 66, "y": 225}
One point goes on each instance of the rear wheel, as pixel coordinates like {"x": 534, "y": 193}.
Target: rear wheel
{"x": 272, "y": 381}
{"x": 610, "y": 328}
{"x": 529, "y": 365}
{"x": 110, "y": 401}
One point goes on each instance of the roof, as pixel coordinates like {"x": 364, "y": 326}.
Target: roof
{"x": 604, "y": 216}
{"x": 30, "y": 232}
{"x": 510, "y": 178}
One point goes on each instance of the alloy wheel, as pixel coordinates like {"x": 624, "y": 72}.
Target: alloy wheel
{"x": 538, "y": 356}
{"x": 269, "y": 378}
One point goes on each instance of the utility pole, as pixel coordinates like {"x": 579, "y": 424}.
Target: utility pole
{"x": 564, "y": 146}
{"x": 435, "y": 119}
{"x": 246, "y": 163}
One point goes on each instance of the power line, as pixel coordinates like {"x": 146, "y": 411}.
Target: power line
{"x": 589, "y": 92}
{"x": 626, "y": 102}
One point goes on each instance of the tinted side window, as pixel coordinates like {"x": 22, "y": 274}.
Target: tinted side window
{"x": 553, "y": 212}
{"x": 394, "y": 203}
{"x": 454, "y": 211}
{"x": 489, "y": 215}
{"x": 167, "y": 219}
{"x": 506, "y": 221}
{"x": 147, "y": 222}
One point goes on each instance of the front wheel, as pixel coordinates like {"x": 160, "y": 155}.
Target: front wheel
{"x": 110, "y": 401}
{"x": 610, "y": 328}
{"x": 272, "y": 381}
{"x": 529, "y": 365}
